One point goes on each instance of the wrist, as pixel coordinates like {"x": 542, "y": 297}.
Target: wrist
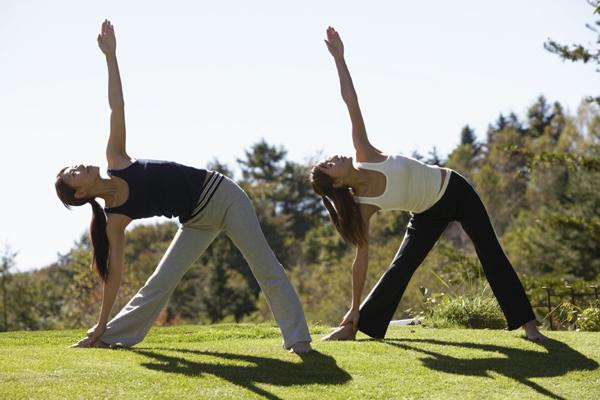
{"x": 111, "y": 55}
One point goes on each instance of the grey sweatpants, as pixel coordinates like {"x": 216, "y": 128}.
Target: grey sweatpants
{"x": 231, "y": 211}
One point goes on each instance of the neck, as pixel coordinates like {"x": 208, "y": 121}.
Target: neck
{"x": 107, "y": 189}
{"x": 357, "y": 179}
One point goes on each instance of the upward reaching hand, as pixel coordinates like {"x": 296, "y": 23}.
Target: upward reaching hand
{"x": 106, "y": 38}
{"x": 334, "y": 43}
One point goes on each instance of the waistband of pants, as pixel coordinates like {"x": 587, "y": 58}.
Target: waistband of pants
{"x": 211, "y": 183}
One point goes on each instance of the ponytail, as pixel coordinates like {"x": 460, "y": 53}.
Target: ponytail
{"x": 100, "y": 245}
{"x": 99, "y": 240}
{"x": 343, "y": 210}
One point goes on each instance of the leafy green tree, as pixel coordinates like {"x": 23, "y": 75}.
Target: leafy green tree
{"x": 7, "y": 263}
{"x": 558, "y": 232}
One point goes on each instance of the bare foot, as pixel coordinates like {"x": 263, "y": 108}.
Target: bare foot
{"x": 345, "y": 332}
{"x": 532, "y": 332}
{"x": 86, "y": 342}
{"x": 301, "y": 348}
{"x": 100, "y": 344}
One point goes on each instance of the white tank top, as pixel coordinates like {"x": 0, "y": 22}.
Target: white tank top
{"x": 410, "y": 184}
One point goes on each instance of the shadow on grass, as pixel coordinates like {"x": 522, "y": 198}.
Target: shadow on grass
{"x": 315, "y": 368}
{"x": 558, "y": 359}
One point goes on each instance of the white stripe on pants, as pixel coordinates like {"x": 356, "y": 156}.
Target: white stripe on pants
{"x": 229, "y": 210}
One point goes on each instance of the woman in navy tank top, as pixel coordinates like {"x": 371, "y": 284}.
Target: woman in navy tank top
{"x": 353, "y": 192}
{"x": 206, "y": 204}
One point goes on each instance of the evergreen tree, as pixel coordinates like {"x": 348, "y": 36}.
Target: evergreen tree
{"x": 216, "y": 165}
{"x": 467, "y": 136}
{"x": 262, "y": 163}
{"x": 434, "y": 158}
{"x": 578, "y": 52}
{"x": 539, "y": 117}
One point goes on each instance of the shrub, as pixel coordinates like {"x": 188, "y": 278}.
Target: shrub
{"x": 589, "y": 319}
{"x": 575, "y": 317}
{"x": 480, "y": 312}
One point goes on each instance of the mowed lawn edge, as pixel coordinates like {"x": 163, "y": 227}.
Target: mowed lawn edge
{"x": 247, "y": 361}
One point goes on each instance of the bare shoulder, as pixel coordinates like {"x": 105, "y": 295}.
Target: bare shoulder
{"x": 367, "y": 211}
{"x": 116, "y": 224}
{"x": 118, "y": 161}
{"x": 371, "y": 155}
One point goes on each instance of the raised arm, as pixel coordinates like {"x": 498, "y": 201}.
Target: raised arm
{"x": 364, "y": 150}
{"x": 116, "y": 154}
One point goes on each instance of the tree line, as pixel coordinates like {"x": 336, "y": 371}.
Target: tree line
{"x": 537, "y": 176}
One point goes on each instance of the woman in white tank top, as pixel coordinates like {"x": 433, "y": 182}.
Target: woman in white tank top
{"x": 353, "y": 190}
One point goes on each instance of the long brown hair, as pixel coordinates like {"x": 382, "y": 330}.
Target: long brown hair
{"x": 100, "y": 245}
{"x": 343, "y": 210}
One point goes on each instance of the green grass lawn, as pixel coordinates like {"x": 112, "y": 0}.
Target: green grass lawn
{"x": 243, "y": 361}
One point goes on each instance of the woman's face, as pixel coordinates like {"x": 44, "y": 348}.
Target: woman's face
{"x": 80, "y": 176}
{"x": 337, "y": 167}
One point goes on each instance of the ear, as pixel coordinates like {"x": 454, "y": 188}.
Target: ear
{"x": 337, "y": 184}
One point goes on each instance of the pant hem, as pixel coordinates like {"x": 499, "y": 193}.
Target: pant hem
{"x": 516, "y": 325}
{"x": 373, "y": 334}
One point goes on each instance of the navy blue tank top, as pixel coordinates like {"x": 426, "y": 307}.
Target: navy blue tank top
{"x": 159, "y": 188}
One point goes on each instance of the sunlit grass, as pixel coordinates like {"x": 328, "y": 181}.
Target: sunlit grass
{"x": 241, "y": 361}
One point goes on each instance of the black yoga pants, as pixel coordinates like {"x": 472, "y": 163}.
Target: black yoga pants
{"x": 459, "y": 203}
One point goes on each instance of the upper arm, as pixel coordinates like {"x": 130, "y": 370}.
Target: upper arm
{"x": 115, "y": 230}
{"x": 366, "y": 212}
{"x": 365, "y": 151}
{"x": 116, "y": 154}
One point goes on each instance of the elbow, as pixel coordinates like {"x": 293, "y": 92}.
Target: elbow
{"x": 117, "y": 105}
{"x": 362, "y": 249}
{"x": 350, "y": 99}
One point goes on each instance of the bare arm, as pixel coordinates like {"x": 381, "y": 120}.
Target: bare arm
{"x": 359, "y": 269}
{"x": 359, "y": 273}
{"x": 116, "y": 239}
{"x": 116, "y": 154}
{"x": 364, "y": 150}
{"x": 115, "y": 230}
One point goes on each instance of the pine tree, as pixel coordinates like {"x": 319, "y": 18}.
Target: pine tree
{"x": 578, "y": 52}
{"x": 467, "y": 136}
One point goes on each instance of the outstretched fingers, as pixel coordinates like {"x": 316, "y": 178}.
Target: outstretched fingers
{"x": 107, "y": 29}
{"x": 110, "y": 29}
{"x": 334, "y": 43}
{"x": 332, "y": 34}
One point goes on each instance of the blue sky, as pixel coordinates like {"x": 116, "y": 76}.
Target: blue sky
{"x": 205, "y": 80}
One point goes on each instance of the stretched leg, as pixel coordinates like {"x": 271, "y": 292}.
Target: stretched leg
{"x": 242, "y": 226}
{"x": 132, "y": 323}
{"x": 378, "y": 308}
{"x": 499, "y": 272}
